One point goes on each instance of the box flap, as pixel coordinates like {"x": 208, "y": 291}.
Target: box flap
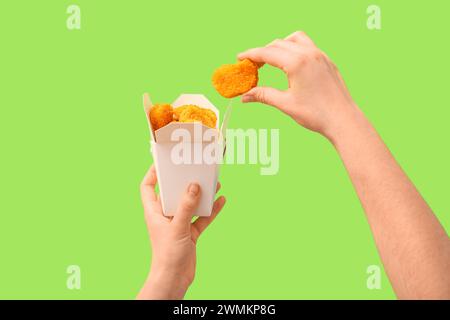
{"x": 147, "y": 102}
{"x": 226, "y": 118}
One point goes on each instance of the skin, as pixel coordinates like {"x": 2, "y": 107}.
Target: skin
{"x": 173, "y": 240}
{"x": 414, "y": 247}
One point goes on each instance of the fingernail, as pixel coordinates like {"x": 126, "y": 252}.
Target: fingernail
{"x": 247, "y": 98}
{"x": 193, "y": 189}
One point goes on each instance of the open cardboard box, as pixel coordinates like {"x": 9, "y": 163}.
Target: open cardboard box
{"x": 166, "y": 143}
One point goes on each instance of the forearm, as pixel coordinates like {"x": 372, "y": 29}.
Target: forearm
{"x": 413, "y": 246}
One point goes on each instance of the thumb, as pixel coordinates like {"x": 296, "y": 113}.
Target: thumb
{"x": 188, "y": 205}
{"x": 266, "y": 95}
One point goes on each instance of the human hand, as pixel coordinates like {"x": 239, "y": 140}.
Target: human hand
{"x": 317, "y": 97}
{"x": 173, "y": 240}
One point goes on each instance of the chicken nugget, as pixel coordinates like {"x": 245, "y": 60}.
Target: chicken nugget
{"x": 161, "y": 115}
{"x": 177, "y": 112}
{"x": 192, "y": 113}
{"x": 232, "y": 80}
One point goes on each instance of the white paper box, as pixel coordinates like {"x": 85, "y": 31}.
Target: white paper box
{"x": 173, "y": 176}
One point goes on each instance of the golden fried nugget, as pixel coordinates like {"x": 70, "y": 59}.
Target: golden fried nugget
{"x": 177, "y": 112}
{"x": 232, "y": 80}
{"x": 192, "y": 113}
{"x": 161, "y": 115}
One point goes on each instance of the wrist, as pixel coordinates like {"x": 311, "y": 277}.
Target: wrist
{"x": 348, "y": 119}
{"x": 163, "y": 284}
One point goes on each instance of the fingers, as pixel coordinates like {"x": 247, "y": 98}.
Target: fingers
{"x": 287, "y": 45}
{"x": 148, "y": 184}
{"x": 272, "y": 55}
{"x": 300, "y": 38}
{"x": 203, "y": 222}
{"x": 266, "y": 95}
{"x": 188, "y": 205}
{"x": 148, "y": 194}
{"x": 276, "y": 53}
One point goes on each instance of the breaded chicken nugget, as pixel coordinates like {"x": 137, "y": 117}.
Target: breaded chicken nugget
{"x": 192, "y": 113}
{"x": 161, "y": 115}
{"x": 232, "y": 80}
{"x": 177, "y": 112}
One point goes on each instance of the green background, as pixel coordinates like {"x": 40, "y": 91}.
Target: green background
{"x": 74, "y": 142}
